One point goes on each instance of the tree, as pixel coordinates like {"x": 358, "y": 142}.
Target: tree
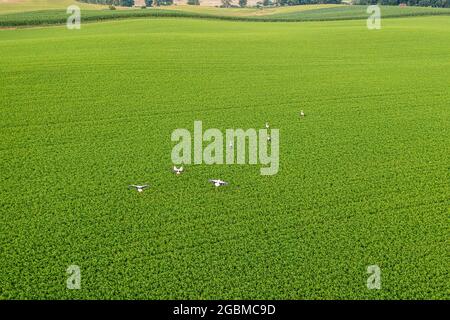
{"x": 162, "y": 2}
{"x": 193, "y": 2}
{"x": 127, "y": 3}
{"x": 242, "y": 3}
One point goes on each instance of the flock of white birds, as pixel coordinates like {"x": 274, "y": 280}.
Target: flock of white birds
{"x": 177, "y": 171}
{"x": 217, "y": 182}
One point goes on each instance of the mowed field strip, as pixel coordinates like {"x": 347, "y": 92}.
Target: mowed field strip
{"x": 363, "y": 178}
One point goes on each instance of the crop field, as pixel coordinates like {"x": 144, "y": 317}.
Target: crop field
{"x": 363, "y": 177}
{"x": 249, "y": 11}
{"x": 307, "y": 12}
{"x": 90, "y": 13}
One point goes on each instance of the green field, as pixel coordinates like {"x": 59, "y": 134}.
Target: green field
{"x": 363, "y": 180}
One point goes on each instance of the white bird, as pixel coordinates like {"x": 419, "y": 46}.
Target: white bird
{"x": 139, "y": 188}
{"x": 218, "y": 182}
{"x": 178, "y": 171}
{"x": 302, "y": 114}
{"x": 267, "y": 125}
{"x": 231, "y": 145}
{"x": 269, "y": 138}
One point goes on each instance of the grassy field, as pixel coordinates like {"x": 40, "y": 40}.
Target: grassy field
{"x": 46, "y": 16}
{"x": 363, "y": 178}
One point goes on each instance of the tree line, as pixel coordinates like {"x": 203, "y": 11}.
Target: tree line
{"x": 124, "y": 3}
{"x": 243, "y": 3}
{"x": 129, "y": 3}
{"x": 225, "y": 3}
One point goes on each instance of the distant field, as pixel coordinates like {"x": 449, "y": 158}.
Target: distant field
{"x": 10, "y": 6}
{"x": 345, "y": 12}
{"x": 244, "y": 12}
{"x": 363, "y": 177}
{"x": 295, "y": 13}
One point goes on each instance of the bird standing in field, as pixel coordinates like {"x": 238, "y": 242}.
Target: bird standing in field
{"x": 218, "y": 182}
{"x": 139, "y": 188}
{"x": 302, "y": 114}
{"x": 178, "y": 171}
{"x": 267, "y": 125}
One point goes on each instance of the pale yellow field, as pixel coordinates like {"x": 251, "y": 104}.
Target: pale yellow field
{"x": 10, "y": 6}
{"x": 242, "y": 12}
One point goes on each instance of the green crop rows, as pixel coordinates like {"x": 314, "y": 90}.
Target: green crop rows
{"x": 363, "y": 180}
{"x": 44, "y": 17}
